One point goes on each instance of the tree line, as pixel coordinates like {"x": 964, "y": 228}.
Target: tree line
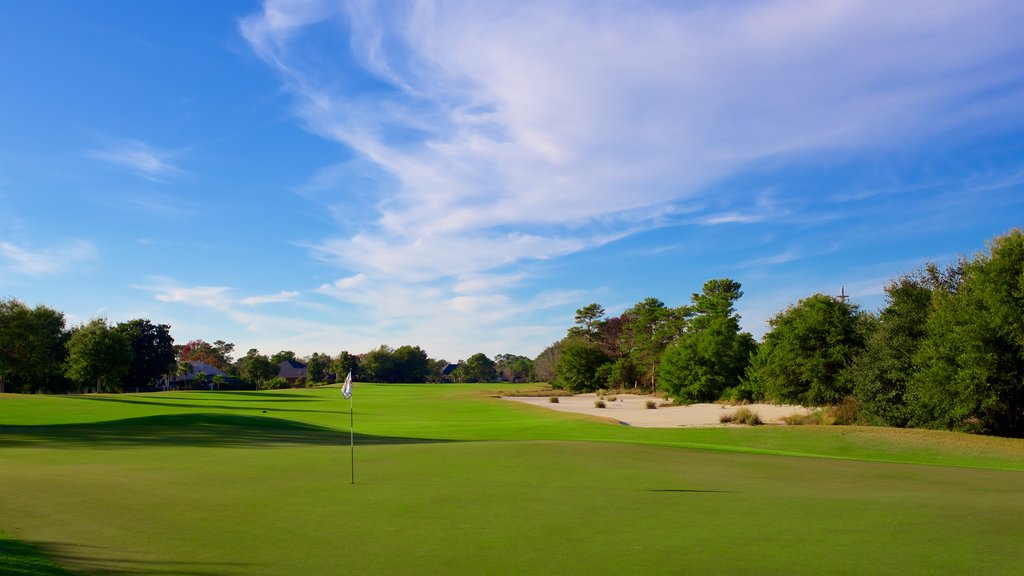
{"x": 39, "y": 354}
{"x": 946, "y": 351}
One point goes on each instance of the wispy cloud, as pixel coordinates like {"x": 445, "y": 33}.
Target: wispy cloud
{"x": 512, "y": 132}
{"x": 52, "y": 261}
{"x": 139, "y": 156}
{"x": 283, "y": 296}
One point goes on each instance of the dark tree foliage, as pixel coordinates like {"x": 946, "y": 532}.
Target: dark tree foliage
{"x": 98, "y": 357}
{"x": 713, "y": 353}
{"x": 283, "y": 355}
{"x": 32, "y": 348}
{"x": 971, "y": 363}
{"x": 514, "y": 368}
{"x": 588, "y": 322}
{"x": 804, "y": 356}
{"x": 317, "y": 366}
{"x": 881, "y": 373}
{"x": 256, "y": 368}
{"x": 378, "y": 365}
{"x": 579, "y": 366}
{"x": 647, "y": 330}
{"x": 436, "y": 372}
{"x": 152, "y": 351}
{"x": 345, "y": 363}
{"x": 410, "y": 364}
{"x": 476, "y": 368}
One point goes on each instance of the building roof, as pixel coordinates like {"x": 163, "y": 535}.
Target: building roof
{"x": 291, "y": 369}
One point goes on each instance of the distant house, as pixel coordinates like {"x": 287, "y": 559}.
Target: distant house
{"x": 194, "y": 369}
{"x": 292, "y": 371}
{"x": 446, "y": 372}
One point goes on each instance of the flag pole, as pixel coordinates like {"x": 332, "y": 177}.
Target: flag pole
{"x": 352, "y": 439}
{"x": 346, "y": 391}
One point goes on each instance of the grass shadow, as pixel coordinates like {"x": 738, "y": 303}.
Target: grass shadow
{"x": 24, "y": 559}
{"x": 195, "y": 429}
{"x": 170, "y": 404}
{"x": 101, "y": 561}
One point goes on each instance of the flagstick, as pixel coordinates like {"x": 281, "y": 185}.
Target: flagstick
{"x": 352, "y": 439}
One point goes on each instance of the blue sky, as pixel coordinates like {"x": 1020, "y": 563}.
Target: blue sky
{"x": 327, "y": 176}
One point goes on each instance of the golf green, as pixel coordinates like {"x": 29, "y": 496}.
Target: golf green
{"x": 451, "y": 481}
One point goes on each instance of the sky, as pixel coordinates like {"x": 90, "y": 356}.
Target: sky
{"x": 321, "y": 176}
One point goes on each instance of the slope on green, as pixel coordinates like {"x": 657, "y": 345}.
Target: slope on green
{"x": 452, "y": 481}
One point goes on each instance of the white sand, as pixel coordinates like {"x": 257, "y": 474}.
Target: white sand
{"x": 631, "y": 409}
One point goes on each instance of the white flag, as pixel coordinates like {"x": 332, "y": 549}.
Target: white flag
{"x": 346, "y": 388}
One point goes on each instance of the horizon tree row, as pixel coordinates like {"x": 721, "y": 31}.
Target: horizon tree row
{"x": 946, "y": 351}
{"x": 38, "y": 353}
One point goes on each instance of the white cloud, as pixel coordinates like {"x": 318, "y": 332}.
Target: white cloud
{"x": 139, "y": 156}
{"x": 513, "y": 132}
{"x": 283, "y": 296}
{"x": 47, "y": 261}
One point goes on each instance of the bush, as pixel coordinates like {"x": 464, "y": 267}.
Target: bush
{"x": 599, "y": 404}
{"x": 274, "y": 384}
{"x": 651, "y": 404}
{"x": 744, "y": 416}
{"x": 553, "y": 400}
{"x": 612, "y": 398}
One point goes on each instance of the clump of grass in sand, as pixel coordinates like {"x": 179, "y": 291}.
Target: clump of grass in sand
{"x": 651, "y": 405}
{"x": 742, "y": 416}
{"x": 599, "y": 404}
{"x": 612, "y": 398}
{"x": 553, "y": 399}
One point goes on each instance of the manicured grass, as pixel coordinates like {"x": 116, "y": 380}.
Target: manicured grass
{"x": 18, "y": 558}
{"x": 449, "y": 481}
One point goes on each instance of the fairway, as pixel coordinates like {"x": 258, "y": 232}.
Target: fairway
{"x": 452, "y": 481}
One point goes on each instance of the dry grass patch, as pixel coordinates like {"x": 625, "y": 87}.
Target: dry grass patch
{"x": 744, "y": 416}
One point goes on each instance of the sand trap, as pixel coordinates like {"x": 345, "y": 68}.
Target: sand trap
{"x": 631, "y": 409}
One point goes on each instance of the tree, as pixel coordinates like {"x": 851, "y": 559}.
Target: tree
{"x": 256, "y": 368}
{"x": 223, "y": 352}
{"x": 805, "y": 354}
{"x": 588, "y": 322}
{"x": 477, "y": 368}
{"x": 578, "y": 366}
{"x": 32, "y": 347}
{"x": 316, "y": 367}
{"x": 378, "y": 365}
{"x": 98, "y": 356}
{"x": 713, "y": 354}
{"x": 282, "y": 356}
{"x": 881, "y": 373}
{"x": 216, "y": 355}
{"x": 410, "y": 364}
{"x": 545, "y": 362}
{"x": 514, "y": 368}
{"x": 345, "y": 363}
{"x": 648, "y": 328}
{"x": 152, "y": 351}
{"x": 972, "y": 358}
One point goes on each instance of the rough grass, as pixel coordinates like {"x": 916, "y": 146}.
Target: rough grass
{"x": 258, "y": 483}
{"x": 744, "y": 416}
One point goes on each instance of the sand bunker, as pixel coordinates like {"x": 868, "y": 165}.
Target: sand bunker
{"x": 631, "y": 409}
